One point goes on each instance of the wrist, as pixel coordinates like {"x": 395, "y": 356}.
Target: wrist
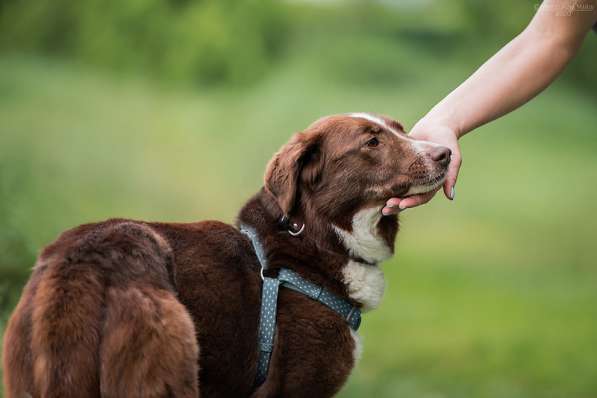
{"x": 433, "y": 123}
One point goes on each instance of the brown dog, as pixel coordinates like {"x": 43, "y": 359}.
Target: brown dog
{"x": 127, "y": 308}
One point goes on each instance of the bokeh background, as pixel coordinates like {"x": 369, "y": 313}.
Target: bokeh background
{"x": 169, "y": 110}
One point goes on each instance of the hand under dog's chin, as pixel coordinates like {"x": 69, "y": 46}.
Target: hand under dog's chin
{"x": 402, "y": 188}
{"x": 427, "y": 185}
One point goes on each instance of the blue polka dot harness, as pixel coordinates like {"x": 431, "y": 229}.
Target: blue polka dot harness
{"x": 269, "y": 300}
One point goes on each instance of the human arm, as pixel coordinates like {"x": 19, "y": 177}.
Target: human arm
{"x": 514, "y": 75}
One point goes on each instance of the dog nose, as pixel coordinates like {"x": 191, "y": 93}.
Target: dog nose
{"x": 441, "y": 155}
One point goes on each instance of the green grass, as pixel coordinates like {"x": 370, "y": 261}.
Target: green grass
{"x": 492, "y": 295}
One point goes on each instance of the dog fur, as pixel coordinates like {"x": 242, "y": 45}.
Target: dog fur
{"x": 126, "y": 308}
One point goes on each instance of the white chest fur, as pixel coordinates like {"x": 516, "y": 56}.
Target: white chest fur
{"x": 364, "y": 241}
{"x": 365, "y": 282}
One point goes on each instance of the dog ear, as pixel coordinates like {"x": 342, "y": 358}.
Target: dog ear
{"x": 299, "y": 160}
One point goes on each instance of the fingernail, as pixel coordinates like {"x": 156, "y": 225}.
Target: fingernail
{"x": 402, "y": 208}
{"x": 452, "y": 193}
{"x": 385, "y": 211}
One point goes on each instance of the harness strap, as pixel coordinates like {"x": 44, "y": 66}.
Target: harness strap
{"x": 257, "y": 246}
{"x": 267, "y": 326}
{"x": 269, "y": 303}
{"x": 294, "y": 281}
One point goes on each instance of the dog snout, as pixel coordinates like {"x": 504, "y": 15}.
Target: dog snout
{"x": 441, "y": 155}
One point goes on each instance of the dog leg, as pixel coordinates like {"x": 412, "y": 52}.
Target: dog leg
{"x": 149, "y": 347}
{"x": 105, "y": 319}
{"x": 18, "y": 373}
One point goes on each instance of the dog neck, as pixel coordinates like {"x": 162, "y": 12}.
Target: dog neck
{"x": 340, "y": 255}
{"x": 364, "y": 280}
{"x": 363, "y": 239}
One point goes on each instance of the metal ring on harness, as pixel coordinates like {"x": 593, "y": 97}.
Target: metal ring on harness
{"x": 300, "y": 231}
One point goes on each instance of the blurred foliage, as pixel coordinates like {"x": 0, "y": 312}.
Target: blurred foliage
{"x": 207, "y": 42}
{"x": 492, "y": 295}
{"x": 18, "y": 255}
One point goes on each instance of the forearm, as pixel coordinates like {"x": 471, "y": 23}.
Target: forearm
{"x": 514, "y": 75}
{"x": 509, "y": 79}
{"x": 518, "y": 72}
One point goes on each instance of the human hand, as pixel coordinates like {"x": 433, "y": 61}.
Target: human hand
{"x": 440, "y": 135}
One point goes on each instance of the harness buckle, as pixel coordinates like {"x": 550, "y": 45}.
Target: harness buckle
{"x": 350, "y": 314}
{"x": 354, "y": 323}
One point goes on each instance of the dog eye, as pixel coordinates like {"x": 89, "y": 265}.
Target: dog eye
{"x": 373, "y": 142}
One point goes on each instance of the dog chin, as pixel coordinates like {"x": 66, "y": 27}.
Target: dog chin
{"x": 428, "y": 185}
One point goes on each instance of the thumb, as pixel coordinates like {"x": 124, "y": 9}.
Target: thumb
{"x": 453, "y": 169}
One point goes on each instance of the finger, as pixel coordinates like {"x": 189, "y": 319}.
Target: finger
{"x": 391, "y": 207}
{"x": 453, "y": 169}
{"x": 417, "y": 200}
{"x": 388, "y": 211}
{"x": 393, "y": 202}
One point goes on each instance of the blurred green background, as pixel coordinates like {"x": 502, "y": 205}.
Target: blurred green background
{"x": 170, "y": 109}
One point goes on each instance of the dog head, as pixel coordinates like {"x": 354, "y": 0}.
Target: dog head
{"x": 343, "y": 163}
{"x": 329, "y": 184}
